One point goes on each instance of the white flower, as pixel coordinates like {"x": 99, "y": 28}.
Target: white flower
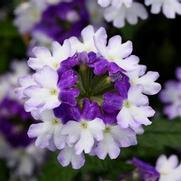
{"x": 116, "y": 51}
{"x": 87, "y": 43}
{"x": 67, "y": 156}
{"x": 96, "y": 13}
{"x": 24, "y": 161}
{"x": 5, "y": 87}
{"x": 114, "y": 137}
{"x": 135, "y": 110}
{"x": 147, "y": 81}
{"x": 24, "y": 82}
{"x": 83, "y": 134}
{"x": 19, "y": 69}
{"x": 115, "y": 3}
{"x": 48, "y": 132}
{"x": 171, "y": 95}
{"x": 10, "y": 80}
{"x": 43, "y": 95}
{"x": 44, "y": 57}
{"x": 130, "y": 14}
{"x": 169, "y": 169}
{"x": 28, "y": 14}
{"x": 169, "y": 7}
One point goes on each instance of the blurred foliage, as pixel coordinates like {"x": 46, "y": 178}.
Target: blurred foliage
{"x": 4, "y": 173}
{"x": 162, "y": 136}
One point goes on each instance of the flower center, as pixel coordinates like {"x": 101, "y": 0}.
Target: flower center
{"x": 84, "y": 125}
{"x": 127, "y": 104}
{"x": 56, "y": 65}
{"x": 92, "y": 86}
{"x": 107, "y": 130}
{"x": 53, "y": 92}
{"x": 55, "y": 121}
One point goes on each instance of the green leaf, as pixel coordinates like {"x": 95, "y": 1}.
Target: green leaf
{"x": 161, "y": 134}
{"x": 54, "y": 171}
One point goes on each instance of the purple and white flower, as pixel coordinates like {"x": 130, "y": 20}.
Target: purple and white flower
{"x": 67, "y": 156}
{"x": 16, "y": 148}
{"x": 114, "y": 138}
{"x": 166, "y": 169}
{"x": 98, "y": 105}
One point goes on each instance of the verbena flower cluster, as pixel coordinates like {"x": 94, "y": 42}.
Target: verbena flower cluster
{"x": 17, "y": 149}
{"x": 120, "y": 11}
{"x": 90, "y": 96}
{"x": 166, "y": 169}
{"x": 171, "y": 96}
{"x": 65, "y": 17}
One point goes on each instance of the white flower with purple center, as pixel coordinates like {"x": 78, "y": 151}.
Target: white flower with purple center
{"x": 169, "y": 7}
{"x": 92, "y": 83}
{"x": 171, "y": 97}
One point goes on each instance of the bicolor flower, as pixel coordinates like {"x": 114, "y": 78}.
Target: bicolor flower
{"x": 53, "y": 59}
{"x": 87, "y": 43}
{"x": 147, "y": 81}
{"x": 67, "y": 156}
{"x": 114, "y": 138}
{"x": 93, "y": 79}
{"x": 66, "y": 18}
{"x": 48, "y": 132}
{"x": 134, "y": 111}
{"x": 43, "y": 95}
{"x": 116, "y": 52}
{"x": 169, "y": 7}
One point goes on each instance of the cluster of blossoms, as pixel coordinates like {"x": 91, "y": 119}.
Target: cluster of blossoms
{"x": 119, "y": 11}
{"x": 65, "y": 17}
{"x": 166, "y": 169}
{"x": 89, "y": 96}
{"x": 171, "y": 96}
{"x": 16, "y": 148}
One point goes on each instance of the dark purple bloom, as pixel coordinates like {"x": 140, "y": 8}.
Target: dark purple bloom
{"x": 68, "y": 93}
{"x": 14, "y": 123}
{"x": 147, "y": 172}
{"x": 64, "y": 20}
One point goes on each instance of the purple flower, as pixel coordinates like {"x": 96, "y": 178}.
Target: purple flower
{"x": 14, "y": 122}
{"x": 86, "y": 89}
{"x": 146, "y": 171}
{"x": 66, "y": 19}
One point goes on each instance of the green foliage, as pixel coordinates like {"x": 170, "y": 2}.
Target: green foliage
{"x": 156, "y": 140}
{"x": 4, "y": 174}
{"x": 11, "y": 46}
